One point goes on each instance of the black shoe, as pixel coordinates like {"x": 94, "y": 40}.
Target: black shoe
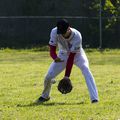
{"x": 42, "y": 100}
{"x": 94, "y": 101}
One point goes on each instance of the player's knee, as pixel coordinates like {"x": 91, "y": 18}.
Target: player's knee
{"x": 48, "y": 77}
{"x": 84, "y": 67}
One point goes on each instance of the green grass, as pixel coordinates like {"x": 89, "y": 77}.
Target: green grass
{"x": 21, "y": 83}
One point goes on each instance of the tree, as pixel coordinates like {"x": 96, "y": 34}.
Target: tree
{"x": 110, "y": 20}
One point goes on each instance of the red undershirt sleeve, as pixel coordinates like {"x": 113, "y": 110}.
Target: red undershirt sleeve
{"x": 69, "y": 64}
{"x": 53, "y": 52}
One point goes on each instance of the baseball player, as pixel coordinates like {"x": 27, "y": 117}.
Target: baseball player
{"x": 69, "y": 42}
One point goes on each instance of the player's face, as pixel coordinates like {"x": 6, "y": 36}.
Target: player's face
{"x": 67, "y": 34}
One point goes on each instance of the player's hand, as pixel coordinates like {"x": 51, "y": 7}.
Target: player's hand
{"x": 58, "y": 60}
{"x": 65, "y": 85}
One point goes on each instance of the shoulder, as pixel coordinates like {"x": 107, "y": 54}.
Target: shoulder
{"x": 76, "y": 33}
{"x": 54, "y": 31}
{"x": 53, "y": 37}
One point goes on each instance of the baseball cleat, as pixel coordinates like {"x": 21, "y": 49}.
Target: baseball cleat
{"x": 94, "y": 101}
{"x": 42, "y": 100}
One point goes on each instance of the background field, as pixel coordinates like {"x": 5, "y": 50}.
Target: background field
{"x": 21, "y": 83}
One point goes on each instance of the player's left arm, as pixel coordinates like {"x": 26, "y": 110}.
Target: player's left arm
{"x": 69, "y": 64}
{"x": 76, "y": 46}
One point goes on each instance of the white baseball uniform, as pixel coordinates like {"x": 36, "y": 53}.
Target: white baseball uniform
{"x": 72, "y": 44}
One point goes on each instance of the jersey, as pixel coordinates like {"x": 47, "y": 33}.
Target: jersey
{"x": 72, "y": 44}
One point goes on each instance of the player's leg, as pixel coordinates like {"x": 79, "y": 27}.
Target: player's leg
{"x": 53, "y": 71}
{"x": 82, "y": 62}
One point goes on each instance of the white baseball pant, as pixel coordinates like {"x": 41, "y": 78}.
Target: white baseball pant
{"x": 81, "y": 62}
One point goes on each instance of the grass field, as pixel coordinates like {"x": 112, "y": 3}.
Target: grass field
{"x": 21, "y": 83}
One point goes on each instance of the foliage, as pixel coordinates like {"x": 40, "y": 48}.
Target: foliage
{"x": 110, "y": 10}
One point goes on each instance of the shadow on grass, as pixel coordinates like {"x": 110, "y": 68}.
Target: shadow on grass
{"x": 50, "y": 104}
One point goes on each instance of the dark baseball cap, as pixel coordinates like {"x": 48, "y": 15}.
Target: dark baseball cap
{"x": 62, "y": 26}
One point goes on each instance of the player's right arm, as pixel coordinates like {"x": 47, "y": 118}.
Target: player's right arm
{"x": 53, "y": 44}
{"x": 53, "y": 54}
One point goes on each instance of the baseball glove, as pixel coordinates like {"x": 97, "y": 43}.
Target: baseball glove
{"x": 65, "y": 86}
